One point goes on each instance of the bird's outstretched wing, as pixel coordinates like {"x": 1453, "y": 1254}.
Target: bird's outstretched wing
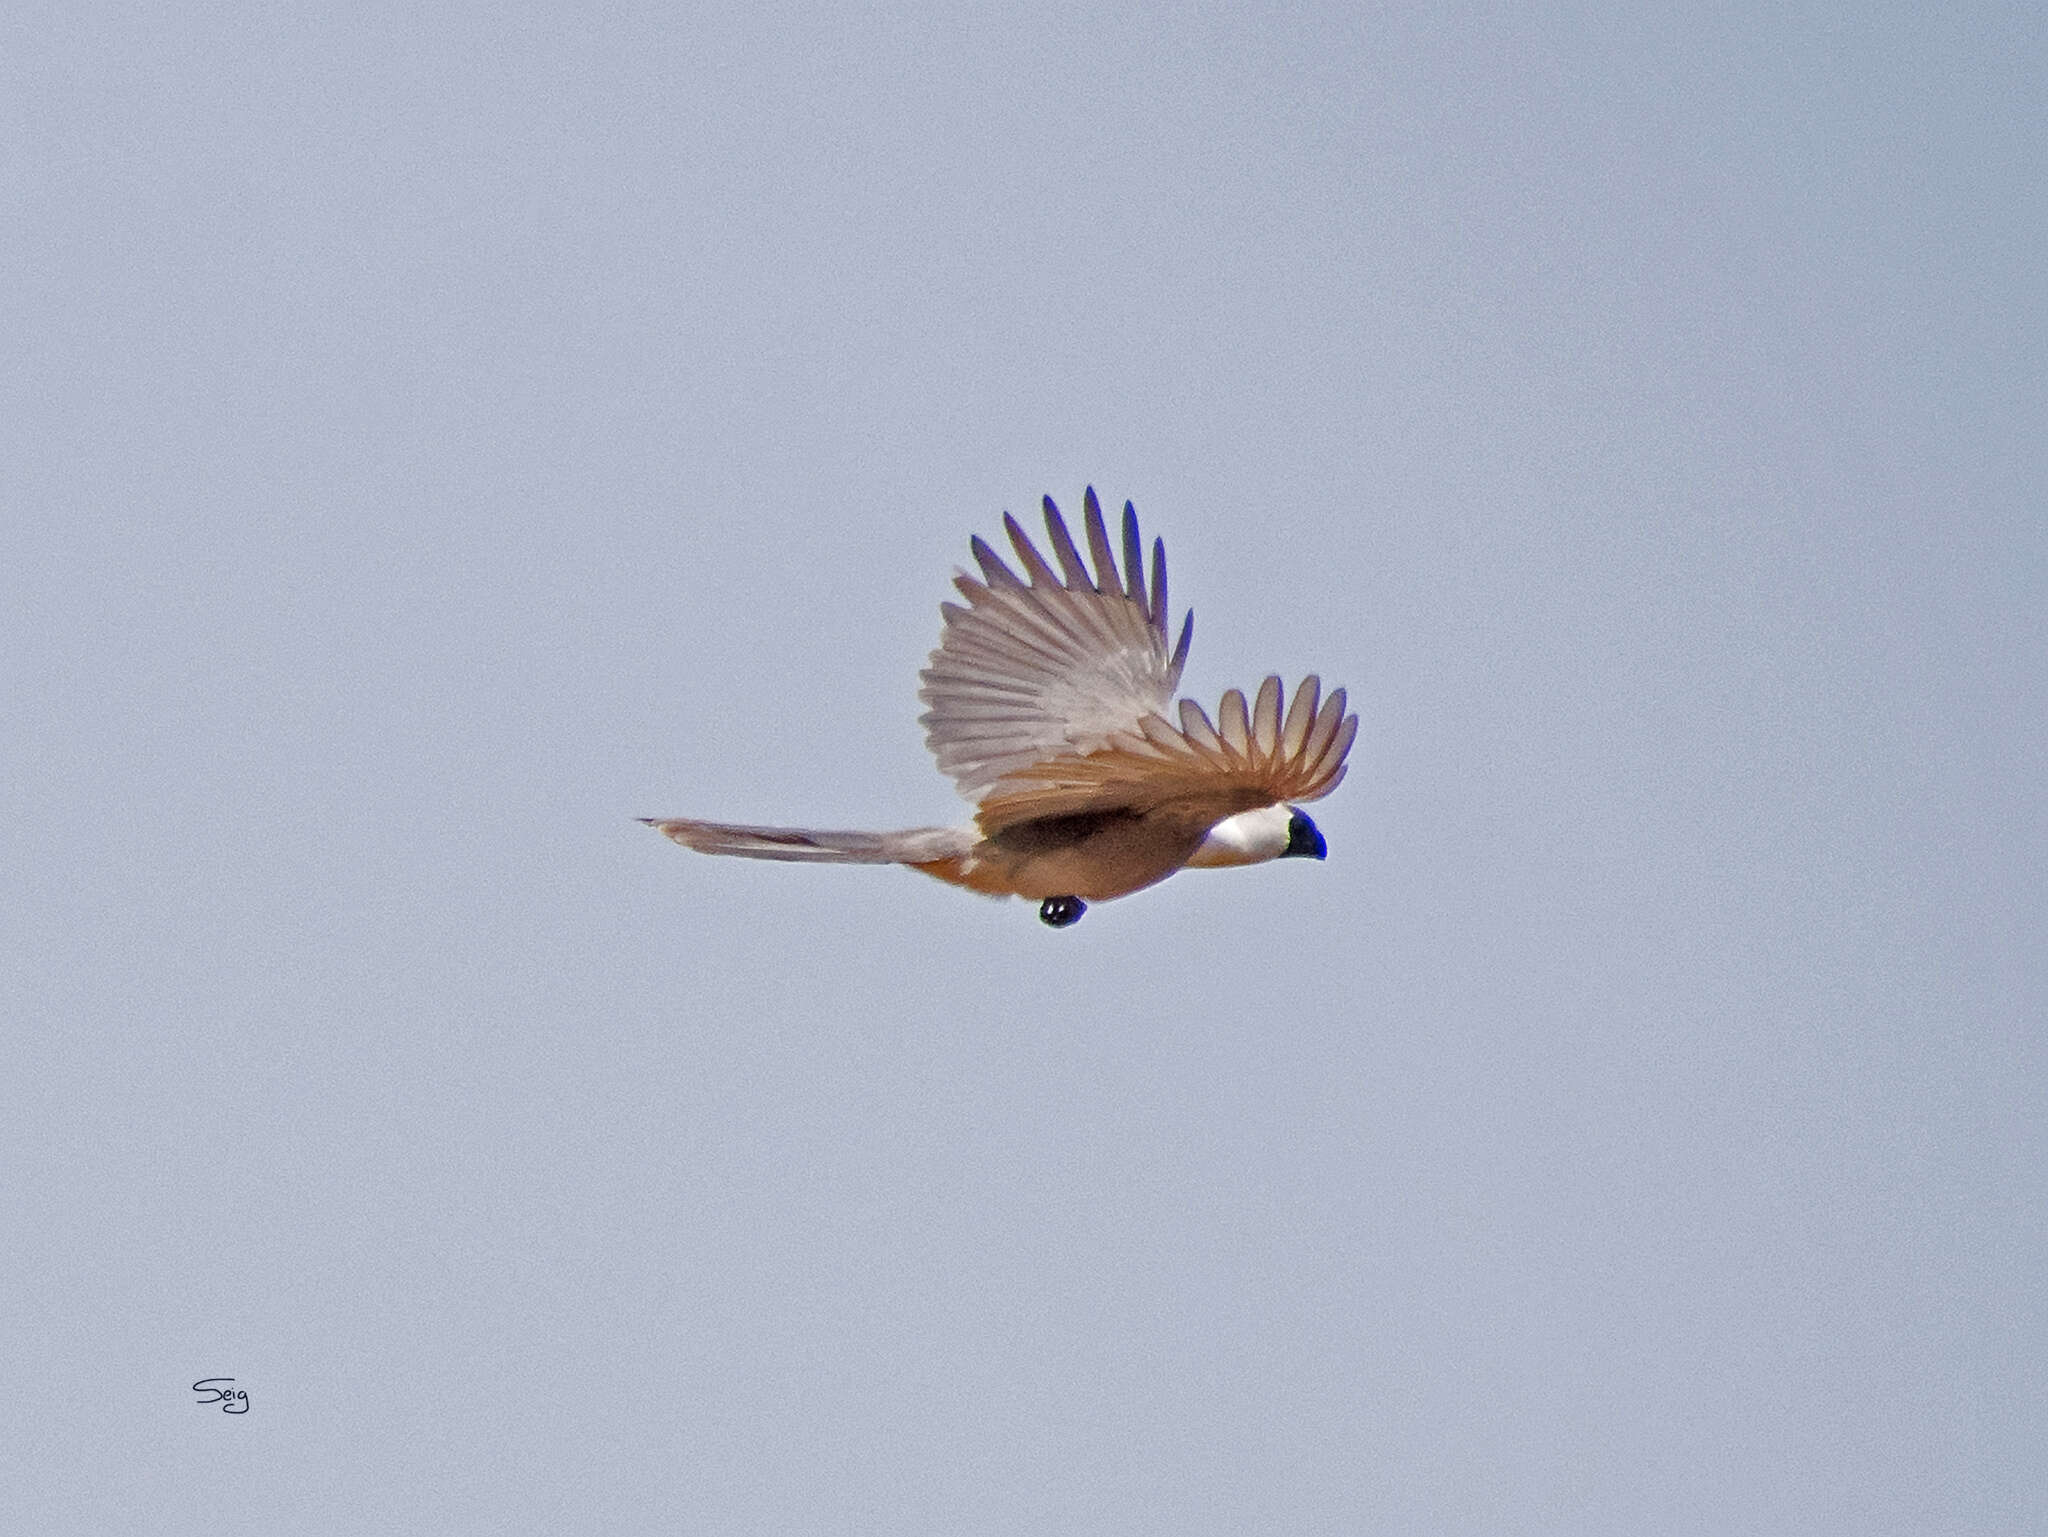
{"x": 1249, "y": 756}
{"x": 1054, "y": 664}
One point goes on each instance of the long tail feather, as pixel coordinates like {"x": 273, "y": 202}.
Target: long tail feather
{"x": 813, "y": 845}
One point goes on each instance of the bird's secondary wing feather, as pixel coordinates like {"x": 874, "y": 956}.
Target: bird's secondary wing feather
{"x": 1053, "y": 663}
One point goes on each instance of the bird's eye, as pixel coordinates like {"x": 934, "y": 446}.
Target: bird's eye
{"x": 1058, "y": 912}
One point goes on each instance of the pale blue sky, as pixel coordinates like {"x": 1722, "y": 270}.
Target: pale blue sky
{"x": 433, "y": 437}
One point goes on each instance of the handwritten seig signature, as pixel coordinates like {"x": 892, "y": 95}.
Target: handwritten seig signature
{"x": 222, "y": 1391}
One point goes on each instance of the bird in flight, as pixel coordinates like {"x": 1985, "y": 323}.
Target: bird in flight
{"x": 1049, "y": 697}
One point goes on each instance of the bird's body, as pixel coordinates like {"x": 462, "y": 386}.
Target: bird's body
{"x": 1048, "y": 697}
{"x": 1094, "y": 855}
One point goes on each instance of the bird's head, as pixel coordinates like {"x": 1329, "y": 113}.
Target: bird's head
{"x": 1253, "y": 837}
{"x": 1304, "y": 838}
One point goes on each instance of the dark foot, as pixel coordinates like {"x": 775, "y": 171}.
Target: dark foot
{"x": 1061, "y": 911}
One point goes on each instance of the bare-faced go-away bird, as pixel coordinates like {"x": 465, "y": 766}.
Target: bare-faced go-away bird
{"x": 1049, "y": 696}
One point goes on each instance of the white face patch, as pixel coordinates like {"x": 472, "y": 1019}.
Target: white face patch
{"x": 1249, "y": 838}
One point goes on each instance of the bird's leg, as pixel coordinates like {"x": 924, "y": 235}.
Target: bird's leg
{"x": 1061, "y": 911}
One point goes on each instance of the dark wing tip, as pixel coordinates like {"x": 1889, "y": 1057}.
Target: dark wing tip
{"x": 993, "y": 571}
{"x": 1106, "y": 576}
{"x": 1027, "y": 552}
{"x": 1063, "y": 549}
{"x": 1134, "y": 558}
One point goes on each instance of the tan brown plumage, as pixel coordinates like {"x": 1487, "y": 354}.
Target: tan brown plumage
{"x": 1048, "y": 700}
